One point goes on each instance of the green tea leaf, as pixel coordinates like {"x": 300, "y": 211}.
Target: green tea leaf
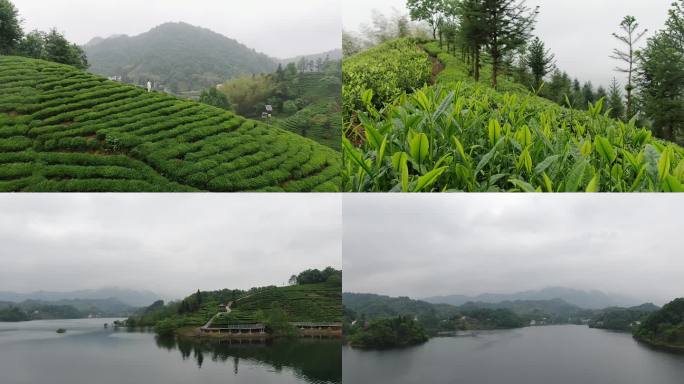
{"x": 426, "y": 181}
{"x": 488, "y": 157}
{"x": 522, "y": 185}
{"x": 671, "y": 184}
{"x": 419, "y": 147}
{"x": 574, "y": 179}
{"x": 664, "y": 163}
{"x": 541, "y": 167}
{"x": 593, "y": 184}
{"x": 605, "y": 149}
{"x": 356, "y": 156}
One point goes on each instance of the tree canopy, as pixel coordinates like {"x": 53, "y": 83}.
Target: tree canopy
{"x": 10, "y": 27}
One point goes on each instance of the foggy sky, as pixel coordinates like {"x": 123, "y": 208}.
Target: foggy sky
{"x": 578, "y": 32}
{"x": 427, "y": 245}
{"x": 278, "y": 28}
{"x": 171, "y": 244}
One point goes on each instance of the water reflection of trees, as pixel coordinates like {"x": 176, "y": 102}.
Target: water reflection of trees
{"x": 316, "y": 361}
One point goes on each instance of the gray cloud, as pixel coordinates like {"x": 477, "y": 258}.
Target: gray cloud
{"x": 578, "y": 32}
{"x": 429, "y": 245}
{"x": 275, "y": 27}
{"x": 170, "y": 244}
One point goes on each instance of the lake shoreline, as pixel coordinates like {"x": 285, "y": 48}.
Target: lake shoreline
{"x": 677, "y": 349}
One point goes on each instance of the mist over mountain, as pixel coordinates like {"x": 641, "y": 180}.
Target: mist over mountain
{"x": 334, "y": 54}
{"x": 593, "y": 299}
{"x": 178, "y": 57}
{"x": 127, "y": 297}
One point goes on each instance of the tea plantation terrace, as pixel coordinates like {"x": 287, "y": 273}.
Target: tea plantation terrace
{"x": 62, "y": 129}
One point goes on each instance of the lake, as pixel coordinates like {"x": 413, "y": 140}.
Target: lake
{"x": 33, "y": 353}
{"x": 565, "y": 354}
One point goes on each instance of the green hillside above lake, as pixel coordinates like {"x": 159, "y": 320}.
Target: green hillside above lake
{"x": 302, "y": 302}
{"x": 62, "y": 129}
{"x": 665, "y": 327}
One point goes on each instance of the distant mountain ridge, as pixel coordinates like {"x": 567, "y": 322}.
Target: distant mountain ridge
{"x": 593, "y": 299}
{"x": 333, "y": 54}
{"x": 176, "y": 56}
{"x": 128, "y": 297}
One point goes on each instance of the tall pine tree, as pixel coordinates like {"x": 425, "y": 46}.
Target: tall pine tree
{"x": 661, "y": 77}
{"x": 540, "y": 60}
{"x": 615, "y": 102}
{"x": 630, "y": 38}
{"x": 508, "y": 25}
{"x": 473, "y": 33}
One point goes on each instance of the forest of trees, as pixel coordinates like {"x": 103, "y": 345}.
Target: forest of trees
{"x": 27, "y": 311}
{"x": 621, "y": 319}
{"x": 315, "y": 276}
{"x": 401, "y": 331}
{"x": 285, "y": 89}
{"x": 51, "y": 46}
{"x": 664, "y": 327}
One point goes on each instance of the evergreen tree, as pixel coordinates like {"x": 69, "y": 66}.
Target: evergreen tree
{"x": 661, "y": 77}
{"x": 631, "y": 37}
{"x": 33, "y": 45}
{"x": 576, "y": 98}
{"x": 539, "y": 60}
{"x": 615, "y": 103}
{"x": 10, "y": 28}
{"x": 509, "y": 24}
{"x": 519, "y": 66}
{"x": 588, "y": 95}
{"x": 602, "y": 94}
{"x": 59, "y": 50}
{"x": 472, "y": 33}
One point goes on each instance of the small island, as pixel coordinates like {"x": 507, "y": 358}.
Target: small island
{"x": 398, "y": 332}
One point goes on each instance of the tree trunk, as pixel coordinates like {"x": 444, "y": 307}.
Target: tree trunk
{"x": 495, "y": 74}
{"x": 668, "y": 133}
{"x": 476, "y": 65}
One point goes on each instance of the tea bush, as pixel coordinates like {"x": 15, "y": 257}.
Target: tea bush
{"x": 389, "y": 70}
{"x": 465, "y": 136}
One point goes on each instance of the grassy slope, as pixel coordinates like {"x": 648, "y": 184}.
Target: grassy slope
{"x": 303, "y": 303}
{"x": 463, "y": 135}
{"x": 66, "y": 130}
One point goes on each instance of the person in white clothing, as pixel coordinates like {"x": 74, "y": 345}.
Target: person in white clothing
{"x": 149, "y": 86}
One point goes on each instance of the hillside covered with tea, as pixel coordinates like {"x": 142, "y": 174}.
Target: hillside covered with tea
{"x": 312, "y": 296}
{"x": 479, "y": 108}
{"x": 62, "y": 129}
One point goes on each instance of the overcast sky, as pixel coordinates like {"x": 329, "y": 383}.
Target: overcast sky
{"x": 427, "y": 245}
{"x": 278, "y": 28}
{"x": 577, "y": 31}
{"x": 170, "y": 244}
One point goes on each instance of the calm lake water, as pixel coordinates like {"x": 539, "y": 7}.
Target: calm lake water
{"x": 554, "y": 354}
{"x": 33, "y": 353}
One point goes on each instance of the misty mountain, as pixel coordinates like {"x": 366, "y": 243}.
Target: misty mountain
{"x": 554, "y": 310}
{"x": 584, "y": 299}
{"x": 335, "y": 54}
{"x": 127, "y": 297}
{"x": 379, "y": 306}
{"x": 176, "y": 56}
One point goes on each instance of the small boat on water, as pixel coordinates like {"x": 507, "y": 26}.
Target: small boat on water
{"x": 61, "y": 330}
